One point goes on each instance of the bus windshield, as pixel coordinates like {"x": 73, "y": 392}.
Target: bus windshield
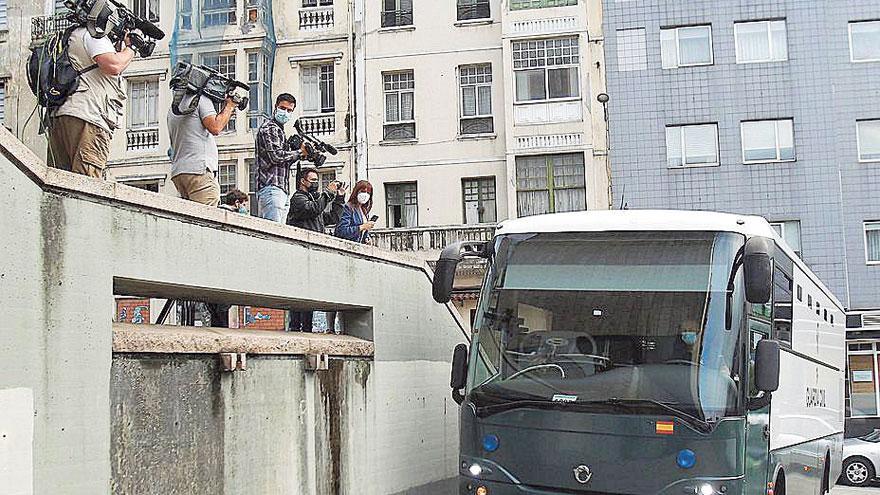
{"x": 614, "y": 318}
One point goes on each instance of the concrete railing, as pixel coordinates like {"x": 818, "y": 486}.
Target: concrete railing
{"x": 316, "y": 18}
{"x": 151, "y": 410}
{"x": 430, "y": 239}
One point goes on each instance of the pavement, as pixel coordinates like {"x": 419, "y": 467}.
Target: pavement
{"x": 848, "y": 490}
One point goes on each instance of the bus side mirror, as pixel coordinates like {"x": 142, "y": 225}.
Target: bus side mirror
{"x": 767, "y": 366}
{"x": 758, "y": 270}
{"x": 458, "y": 380}
{"x": 444, "y": 272}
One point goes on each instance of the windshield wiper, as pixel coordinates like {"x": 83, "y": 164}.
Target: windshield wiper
{"x": 694, "y": 422}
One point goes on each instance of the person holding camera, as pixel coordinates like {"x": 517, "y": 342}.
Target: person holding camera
{"x": 80, "y": 129}
{"x": 307, "y": 211}
{"x": 356, "y": 222}
{"x": 274, "y": 159}
{"x": 194, "y": 156}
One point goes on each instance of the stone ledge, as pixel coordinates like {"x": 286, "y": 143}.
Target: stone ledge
{"x": 163, "y": 339}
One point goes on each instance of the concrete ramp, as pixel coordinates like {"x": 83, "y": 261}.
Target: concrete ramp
{"x": 90, "y": 406}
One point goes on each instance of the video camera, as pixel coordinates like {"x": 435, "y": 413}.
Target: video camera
{"x": 114, "y": 20}
{"x": 315, "y": 148}
{"x": 201, "y": 81}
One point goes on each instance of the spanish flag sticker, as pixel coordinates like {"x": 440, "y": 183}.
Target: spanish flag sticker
{"x": 665, "y": 428}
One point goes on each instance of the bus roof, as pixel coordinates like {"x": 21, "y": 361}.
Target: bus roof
{"x": 656, "y": 220}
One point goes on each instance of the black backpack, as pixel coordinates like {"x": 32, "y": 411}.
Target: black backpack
{"x": 51, "y": 75}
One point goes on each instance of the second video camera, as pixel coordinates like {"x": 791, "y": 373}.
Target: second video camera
{"x": 201, "y": 81}
{"x": 115, "y": 21}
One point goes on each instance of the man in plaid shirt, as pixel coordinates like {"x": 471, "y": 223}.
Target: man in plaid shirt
{"x": 274, "y": 161}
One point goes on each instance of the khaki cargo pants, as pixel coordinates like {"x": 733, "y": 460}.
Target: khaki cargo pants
{"x": 201, "y": 188}
{"x": 78, "y": 146}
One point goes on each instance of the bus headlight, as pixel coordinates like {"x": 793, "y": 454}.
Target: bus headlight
{"x": 709, "y": 489}
{"x": 476, "y": 470}
{"x": 706, "y": 489}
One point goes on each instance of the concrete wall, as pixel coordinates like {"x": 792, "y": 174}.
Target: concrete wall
{"x": 77, "y": 241}
{"x": 181, "y": 425}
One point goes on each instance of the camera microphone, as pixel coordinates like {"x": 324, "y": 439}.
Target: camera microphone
{"x": 330, "y": 149}
{"x": 149, "y": 29}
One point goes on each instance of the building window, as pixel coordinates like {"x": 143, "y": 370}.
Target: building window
{"x": 224, "y": 63}
{"x": 397, "y": 13}
{"x": 686, "y": 46}
{"x": 145, "y": 9}
{"x": 2, "y": 101}
{"x": 226, "y": 176}
{"x": 768, "y": 141}
{"x": 539, "y": 4}
{"x": 473, "y": 9}
{"x": 862, "y": 382}
{"x": 143, "y": 101}
{"x": 864, "y": 41}
{"x": 253, "y": 201}
{"x": 260, "y": 102}
{"x": 317, "y": 3}
{"x": 400, "y": 121}
{"x": 403, "y": 204}
{"x": 790, "y": 232}
{"x": 872, "y": 242}
{"x": 546, "y": 69}
{"x": 868, "y": 140}
{"x": 692, "y": 145}
{"x": 319, "y": 93}
{"x": 762, "y": 41}
{"x": 185, "y": 15}
{"x": 476, "y": 99}
{"x": 4, "y": 22}
{"x": 550, "y": 184}
{"x": 218, "y": 12}
{"x": 479, "y": 200}
{"x": 632, "y": 50}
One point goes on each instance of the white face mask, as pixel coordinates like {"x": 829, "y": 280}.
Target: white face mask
{"x": 363, "y": 198}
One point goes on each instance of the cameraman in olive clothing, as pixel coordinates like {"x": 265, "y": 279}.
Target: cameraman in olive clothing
{"x": 307, "y": 211}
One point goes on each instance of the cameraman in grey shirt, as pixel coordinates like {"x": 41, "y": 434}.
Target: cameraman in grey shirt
{"x": 194, "y": 156}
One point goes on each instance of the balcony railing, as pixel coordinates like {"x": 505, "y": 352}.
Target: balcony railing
{"x": 316, "y": 18}
{"x": 430, "y": 238}
{"x": 142, "y": 139}
{"x": 44, "y": 26}
{"x": 319, "y": 125}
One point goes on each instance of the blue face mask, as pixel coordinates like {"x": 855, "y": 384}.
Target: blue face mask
{"x": 243, "y": 210}
{"x": 282, "y": 116}
{"x": 689, "y": 338}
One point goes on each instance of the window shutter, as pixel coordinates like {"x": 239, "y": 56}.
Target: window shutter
{"x": 311, "y": 90}
{"x": 2, "y": 101}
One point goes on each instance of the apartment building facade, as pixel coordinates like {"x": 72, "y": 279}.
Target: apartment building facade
{"x": 475, "y": 111}
{"x": 466, "y": 99}
{"x": 767, "y": 108}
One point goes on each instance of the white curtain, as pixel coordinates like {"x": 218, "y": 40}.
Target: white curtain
{"x": 668, "y": 49}
{"x": 406, "y": 106}
{"x": 694, "y": 45}
{"x": 759, "y": 140}
{"x": 530, "y": 85}
{"x": 865, "y": 40}
{"x": 673, "y": 147}
{"x": 469, "y": 101}
{"x": 752, "y": 42}
{"x": 568, "y": 182}
{"x": 872, "y": 239}
{"x": 311, "y": 90}
{"x": 779, "y": 39}
{"x": 869, "y": 140}
{"x": 392, "y": 108}
{"x": 563, "y": 82}
{"x": 152, "y": 102}
{"x": 701, "y": 144}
